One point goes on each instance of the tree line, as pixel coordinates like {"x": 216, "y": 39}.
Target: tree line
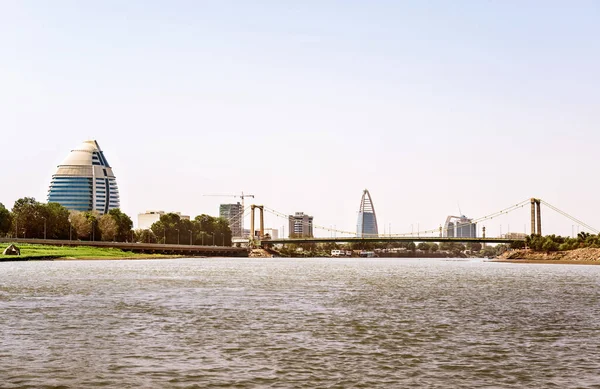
{"x": 31, "y": 219}
{"x": 34, "y": 220}
{"x": 451, "y": 248}
{"x": 561, "y": 243}
{"x": 202, "y": 230}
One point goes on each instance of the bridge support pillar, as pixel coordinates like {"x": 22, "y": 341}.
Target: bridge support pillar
{"x": 539, "y": 217}
{"x": 483, "y": 233}
{"x": 252, "y": 207}
{"x": 261, "y": 231}
{"x": 536, "y": 209}
{"x": 532, "y": 216}
{"x": 261, "y": 211}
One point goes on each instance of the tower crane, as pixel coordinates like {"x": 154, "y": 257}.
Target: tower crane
{"x": 241, "y": 196}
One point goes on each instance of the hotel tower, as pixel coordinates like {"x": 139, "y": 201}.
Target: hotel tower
{"x": 84, "y": 181}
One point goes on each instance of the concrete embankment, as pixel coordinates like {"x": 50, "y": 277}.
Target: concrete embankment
{"x": 584, "y": 256}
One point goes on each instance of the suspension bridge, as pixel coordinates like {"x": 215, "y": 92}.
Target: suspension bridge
{"x": 438, "y": 235}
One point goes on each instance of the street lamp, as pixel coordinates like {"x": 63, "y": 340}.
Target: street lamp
{"x": 70, "y": 225}
{"x": 44, "y": 227}
{"x": 202, "y": 235}
{"x": 222, "y": 239}
{"x": 213, "y": 238}
{"x": 177, "y": 235}
{"x": 191, "y": 237}
{"x": 164, "y": 235}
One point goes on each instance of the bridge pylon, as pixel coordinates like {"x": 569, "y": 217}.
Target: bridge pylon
{"x": 261, "y": 210}
{"x": 536, "y": 216}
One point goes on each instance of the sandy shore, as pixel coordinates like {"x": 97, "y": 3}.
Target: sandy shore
{"x": 547, "y": 261}
{"x": 586, "y": 256}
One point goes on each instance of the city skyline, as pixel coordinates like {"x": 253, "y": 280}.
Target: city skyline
{"x": 486, "y": 104}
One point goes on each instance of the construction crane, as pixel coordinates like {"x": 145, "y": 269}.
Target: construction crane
{"x": 241, "y": 196}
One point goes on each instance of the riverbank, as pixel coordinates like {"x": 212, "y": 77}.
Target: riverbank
{"x": 33, "y": 252}
{"x": 587, "y": 256}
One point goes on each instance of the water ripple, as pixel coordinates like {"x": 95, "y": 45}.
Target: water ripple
{"x": 276, "y": 323}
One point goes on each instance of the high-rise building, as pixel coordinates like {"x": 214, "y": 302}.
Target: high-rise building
{"x": 233, "y": 214}
{"x": 367, "y": 220}
{"x": 301, "y": 225}
{"x": 460, "y": 227}
{"x": 84, "y": 181}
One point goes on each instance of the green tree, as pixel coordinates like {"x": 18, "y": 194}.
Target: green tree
{"x": 123, "y": 223}
{"x": 211, "y": 228}
{"x": 108, "y": 228}
{"x": 166, "y": 228}
{"x": 145, "y": 236}
{"x": 31, "y": 219}
{"x": 489, "y": 251}
{"x": 5, "y": 220}
{"x": 82, "y": 229}
{"x": 204, "y": 229}
{"x": 411, "y": 246}
{"x": 434, "y": 247}
{"x": 26, "y": 218}
{"x": 474, "y": 246}
{"x": 423, "y": 246}
{"x": 446, "y": 246}
{"x": 86, "y": 225}
{"x": 550, "y": 244}
{"x": 517, "y": 245}
{"x": 57, "y": 220}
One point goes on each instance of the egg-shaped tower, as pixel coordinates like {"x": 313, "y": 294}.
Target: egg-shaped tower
{"x": 84, "y": 181}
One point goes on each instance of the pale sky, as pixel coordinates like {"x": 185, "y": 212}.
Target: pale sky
{"x": 428, "y": 104}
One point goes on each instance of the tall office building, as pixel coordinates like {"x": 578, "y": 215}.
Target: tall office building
{"x": 367, "y": 220}
{"x": 460, "y": 227}
{"x": 300, "y": 225}
{"x": 233, "y": 214}
{"x": 84, "y": 181}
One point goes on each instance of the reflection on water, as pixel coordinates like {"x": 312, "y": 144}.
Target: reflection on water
{"x": 298, "y": 323}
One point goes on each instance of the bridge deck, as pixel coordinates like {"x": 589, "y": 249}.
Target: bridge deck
{"x": 391, "y": 239}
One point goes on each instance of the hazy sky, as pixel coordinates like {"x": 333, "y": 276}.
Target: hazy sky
{"x": 428, "y": 104}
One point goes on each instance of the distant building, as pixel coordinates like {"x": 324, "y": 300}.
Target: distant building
{"x": 273, "y": 233}
{"x": 300, "y": 225}
{"x": 367, "y": 220}
{"x": 84, "y": 181}
{"x": 233, "y": 214}
{"x": 460, "y": 227}
{"x": 515, "y": 235}
{"x": 147, "y": 219}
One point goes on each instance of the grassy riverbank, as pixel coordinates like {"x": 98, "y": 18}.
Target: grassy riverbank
{"x": 39, "y": 252}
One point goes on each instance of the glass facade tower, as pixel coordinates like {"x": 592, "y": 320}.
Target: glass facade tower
{"x": 233, "y": 214}
{"x": 367, "y": 220}
{"x": 84, "y": 181}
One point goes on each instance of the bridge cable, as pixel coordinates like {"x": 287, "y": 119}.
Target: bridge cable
{"x": 570, "y": 217}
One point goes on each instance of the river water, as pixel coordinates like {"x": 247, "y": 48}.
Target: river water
{"x": 339, "y": 323}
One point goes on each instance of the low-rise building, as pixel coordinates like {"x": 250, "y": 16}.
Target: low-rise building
{"x": 273, "y": 233}
{"x": 515, "y": 235}
{"x": 146, "y": 219}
